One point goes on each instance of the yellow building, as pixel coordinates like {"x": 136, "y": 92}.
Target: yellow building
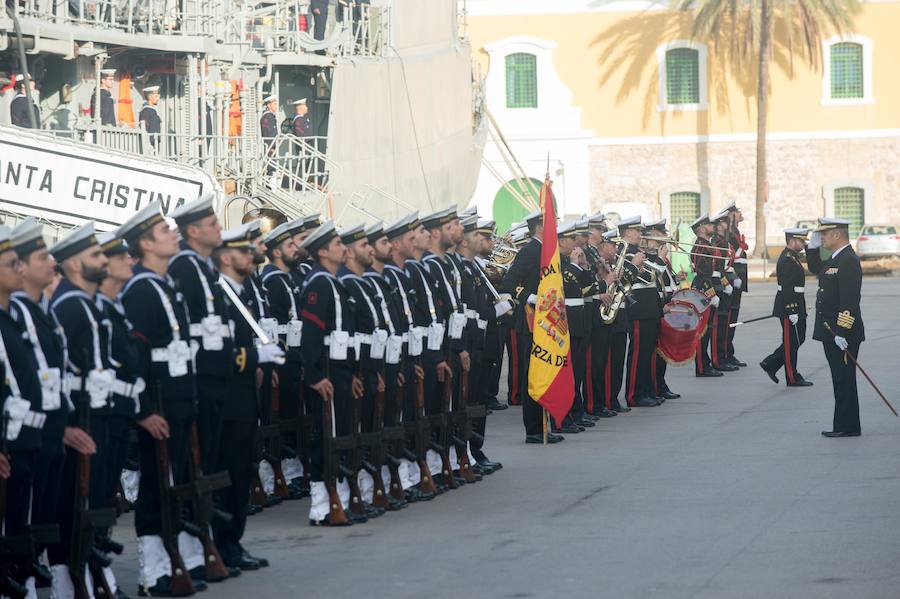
{"x": 634, "y": 111}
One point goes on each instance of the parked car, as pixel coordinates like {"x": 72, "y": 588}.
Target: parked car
{"x": 878, "y": 241}
{"x": 807, "y": 224}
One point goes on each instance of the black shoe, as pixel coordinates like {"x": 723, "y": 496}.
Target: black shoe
{"x": 243, "y": 562}
{"x": 735, "y": 362}
{"x": 587, "y": 423}
{"x": 800, "y": 383}
{"x": 233, "y": 572}
{"x": 296, "y": 490}
{"x": 496, "y": 405}
{"x": 326, "y": 521}
{"x": 272, "y": 500}
{"x": 771, "y": 373}
{"x": 590, "y": 416}
{"x": 669, "y": 394}
{"x": 414, "y": 494}
{"x": 163, "y": 588}
{"x": 489, "y": 467}
{"x": 198, "y": 573}
{"x": 709, "y": 373}
{"x": 840, "y": 433}
{"x": 120, "y": 594}
{"x": 621, "y": 409}
{"x": 568, "y": 429}
{"x": 726, "y": 367}
{"x": 357, "y": 518}
{"x": 395, "y": 504}
{"x": 263, "y": 562}
{"x": 646, "y": 402}
{"x": 253, "y": 509}
{"x": 551, "y": 438}
{"x": 604, "y": 413}
{"x": 199, "y": 585}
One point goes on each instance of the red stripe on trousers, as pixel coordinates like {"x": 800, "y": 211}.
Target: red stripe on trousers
{"x": 653, "y": 359}
{"x": 607, "y": 380}
{"x": 589, "y": 383}
{"x": 698, "y": 355}
{"x": 514, "y": 350}
{"x": 635, "y": 352}
{"x": 714, "y": 344}
{"x": 788, "y": 367}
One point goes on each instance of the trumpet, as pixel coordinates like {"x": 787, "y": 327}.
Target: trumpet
{"x": 682, "y": 243}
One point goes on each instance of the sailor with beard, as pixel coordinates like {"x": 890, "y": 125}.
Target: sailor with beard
{"x": 300, "y": 230}
{"x": 83, "y": 265}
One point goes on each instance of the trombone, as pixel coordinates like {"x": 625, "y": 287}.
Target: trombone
{"x": 682, "y": 243}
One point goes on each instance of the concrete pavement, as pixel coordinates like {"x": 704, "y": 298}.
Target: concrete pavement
{"x": 729, "y": 492}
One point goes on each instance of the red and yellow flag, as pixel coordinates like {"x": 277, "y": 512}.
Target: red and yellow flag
{"x": 551, "y": 382}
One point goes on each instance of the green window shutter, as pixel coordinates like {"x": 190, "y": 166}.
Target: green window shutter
{"x": 521, "y": 81}
{"x": 846, "y": 70}
{"x": 850, "y": 203}
{"x": 684, "y": 205}
{"x": 683, "y": 76}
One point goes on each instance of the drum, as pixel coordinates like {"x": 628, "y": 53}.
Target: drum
{"x": 695, "y": 297}
{"x": 681, "y": 327}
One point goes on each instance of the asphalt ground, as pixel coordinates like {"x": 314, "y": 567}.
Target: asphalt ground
{"x": 728, "y": 492}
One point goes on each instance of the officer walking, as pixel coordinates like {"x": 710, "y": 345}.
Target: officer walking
{"x": 790, "y": 308}
{"x": 839, "y": 323}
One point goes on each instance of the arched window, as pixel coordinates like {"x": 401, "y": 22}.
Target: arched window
{"x": 683, "y": 76}
{"x": 684, "y": 205}
{"x": 850, "y": 203}
{"x": 507, "y": 209}
{"x": 521, "y": 80}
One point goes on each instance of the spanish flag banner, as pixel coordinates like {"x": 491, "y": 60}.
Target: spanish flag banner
{"x": 550, "y": 379}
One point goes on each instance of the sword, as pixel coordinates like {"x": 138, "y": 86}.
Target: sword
{"x": 847, "y": 354}
{"x": 739, "y": 323}
{"x": 263, "y": 338}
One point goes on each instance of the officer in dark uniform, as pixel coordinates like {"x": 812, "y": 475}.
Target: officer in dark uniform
{"x": 790, "y": 308}
{"x": 18, "y": 108}
{"x": 601, "y": 333}
{"x": 22, "y": 404}
{"x": 718, "y": 347}
{"x": 579, "y": 327}
{"x": 83, "y": 267}
{"x": 125, "y": 359}
{"x": 521, "y": 281}
{"x": 195, "y": 277}
{"x": 149, "y": 117}
{"x": 107, "y": 103}
{"x": 704, "y": 261}
{"x": 329, "y": 361}
{"x": 613, "y": 375}
{"x": 839, "y": 323}
{"x": 738, "y": 261}
{"x": 240, "y": 414}
{"x": 666, "y": 285}
{"x": 159, "y": 322}
{"x": 643, "y": 316}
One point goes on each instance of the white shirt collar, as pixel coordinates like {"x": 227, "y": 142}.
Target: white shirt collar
{"x": 234, "y": 284}
{"x": 839, "y": 250}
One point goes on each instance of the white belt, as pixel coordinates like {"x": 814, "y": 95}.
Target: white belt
{"x": 740, "y": 261}
{"x": 159, "y": 354}
{"x": 576, "y": 301}
{"x": 796, "y": 289}
{"x": 596, "y": 296}
{"x": 353, "y": 340}
{"x": 644, "y": 286}
{"x": 130, "y": 390}
{"x": 471, "y": 314}
{"x": 482, "y": 324}
{"x": 34, "y": 419}
{"x": 360, "y": 338}
{"x": 405, "y": 337}
{"x": 716, "y": 273}
{"x": 197, "y": 330}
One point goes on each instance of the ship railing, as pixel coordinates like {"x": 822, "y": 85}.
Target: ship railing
{"x": 298, "y": 163}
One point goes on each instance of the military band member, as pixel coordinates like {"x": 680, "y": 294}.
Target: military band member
{"x": 643, "y": 317}
{"x": 704, "y": 262}
{"x": 194, "y": 274}
{"x": 18, "y": 108}
{"x": 328, "y": 359}
{"x": 837, "y": 309}
{"x": 657, "y": 259}
{"x": 498, "y": 329}
{"x": 168, "y": 405}
{"x": 107, "y": 108}
{"x": 790, "y": 308}
{"x": 613, "y": 376}
{"x": 521, "y": 281}
{"x": 23, "y": 408}
{"x": 601, "y": 333}
{"x": 149, "y": 115}
{"x": 741, "y": 284}
{"x": 718, "y": 347}
{"x": 235, "y": 262}
{"x": 579, "y": 327}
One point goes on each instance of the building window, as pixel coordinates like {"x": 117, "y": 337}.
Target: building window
{"x": 521, "y": 80}
{"x": 682, "y": 76}
{"x": 848, "y": 70}
{"x": 850, "y": 203}
{"x": 684, "y": 206}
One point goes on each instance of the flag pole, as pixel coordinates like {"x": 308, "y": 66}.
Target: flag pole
{"x": 544, "y": 418}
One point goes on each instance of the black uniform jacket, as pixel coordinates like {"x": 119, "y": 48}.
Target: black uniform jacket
{"x": 283, "y": 298}
{"x": 326, "y": 306}
{"x": 369, "y": 316}
{"x": 18, "y": 112}
{"x": 124, "y": 352}
{"x": 790, "y": 299}
{"x": 240, "y": 397}
{"x": 522, "y": 278}
{"x": 837, "y": 301}
{"x": 24, "y": 367}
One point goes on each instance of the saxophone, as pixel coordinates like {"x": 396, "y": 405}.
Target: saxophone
{"x": 623, "y": 288}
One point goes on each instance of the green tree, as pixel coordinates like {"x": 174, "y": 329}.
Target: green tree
{"x": 746, "y": 31}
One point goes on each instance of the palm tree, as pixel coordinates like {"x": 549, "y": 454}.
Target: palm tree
{"x": 744, "y": 28}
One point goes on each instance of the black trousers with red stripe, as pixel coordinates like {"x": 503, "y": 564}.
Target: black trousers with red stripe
{"x": 733, "y": 316}
{"x": 718, "y": 345}
{"x": 579, "y": 348}
{"x": 792, "y": 337}
{"x": 615, "y": 363}
{"x": 642, "y": 336}
{"x": 702, "y": 363}
{"x": 658, "y": 369}
{"x": 598, "y": 354}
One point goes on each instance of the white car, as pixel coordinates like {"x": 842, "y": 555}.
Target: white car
{"x": 878, "y": 241}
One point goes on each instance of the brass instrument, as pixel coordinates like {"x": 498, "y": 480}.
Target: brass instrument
{"x": 502, "y": 256}
{"x": 623, "y": 288}
{"x": 258, "y": 209}
{"x": 682, "y": 243}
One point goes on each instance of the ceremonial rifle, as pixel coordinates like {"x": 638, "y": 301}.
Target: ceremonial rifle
{"x": 333, "y": 445}
{"x": 351, "y": 470}
{"x": 420, "y": 427}
{"x": 393, "y": 436}
{"x": 374, "y": 442}
{"x": 463, "y": 416}
{"x": 444, "y": 424}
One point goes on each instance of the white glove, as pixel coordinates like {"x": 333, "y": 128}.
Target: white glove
{"x": 501, "y": 308}
{"x": 841, "y": 343}
{"x": 532, "y": 299}
{"x": 270, "y": 354}
{"x": 815, "y": 241}
{"x": 737, "y": 283}
{"x": 714, "y": 302}
{"x": 794, "y": 318}
{"x": 729, "y": 289}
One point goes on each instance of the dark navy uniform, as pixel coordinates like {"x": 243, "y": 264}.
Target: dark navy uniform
{"x": 211, "y": 334}
{"x": 665, "y": 283}
{"x": 789, "y": 300}
{"x": 107, "y": 107}
{"x": 739, "y": 263}
{"x": 484, "y": 347}
{"x": 580, "y": 322}
{"x": 301, "y": 126}
{"x": 837, "y": 305}
{"x": 283, "y": 299}
{"x": 703, "y": 261}
{"x": 643, "y": 316}
{"x": 718, "y": 348}
{"x": 152, "y": 123}
{"x": 268, "y": 126}
{"x": 18, "y": 112}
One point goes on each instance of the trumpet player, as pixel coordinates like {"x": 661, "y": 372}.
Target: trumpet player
{"x": 703, "y": 261}
{"x": 725, "y": 273}
{"x": 666, "y": 284}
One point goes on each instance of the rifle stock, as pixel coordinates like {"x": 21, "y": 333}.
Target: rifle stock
{"x": 445, "y": 440}
{"x": 351, "y": 471}
{"x": 397, "y": 432}
{"x": 464, "y": 423}
{"x": 336, "y": 514}
{"x": 423, "y": 432}
{"x": 275, "y": 445}
{"x": 203, "y": 511}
